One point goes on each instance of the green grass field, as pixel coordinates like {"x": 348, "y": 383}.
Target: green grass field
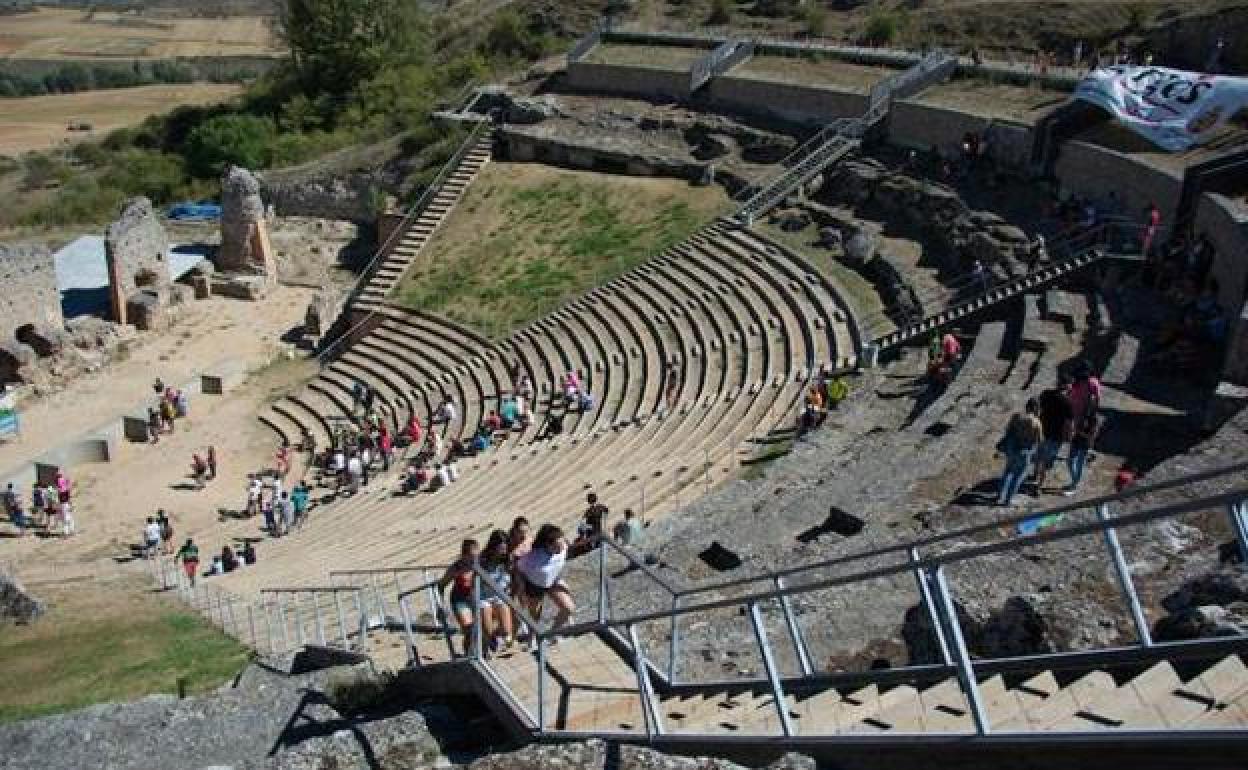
{"x": 527, "y": 237}
{"x": 90, "y": 649}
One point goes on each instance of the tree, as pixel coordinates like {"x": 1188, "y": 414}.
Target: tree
{"x": 337, "y": 44}
{"x": 721, "y": 12}
{"x": 243, "y": 140}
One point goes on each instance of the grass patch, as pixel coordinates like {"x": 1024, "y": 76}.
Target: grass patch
{"x": 527, "y": 237}
{"x": 103, "y": 643}
{"x": 861, "y": 296}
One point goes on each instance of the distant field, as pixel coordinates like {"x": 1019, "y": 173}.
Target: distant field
{"x": 53, "y": 33}
{"x": 41, "y": 122}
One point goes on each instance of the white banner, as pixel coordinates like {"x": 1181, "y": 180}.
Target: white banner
{"x": 1172, "y": 108}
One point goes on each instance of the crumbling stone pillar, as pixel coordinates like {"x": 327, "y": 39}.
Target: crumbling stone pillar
{"x": 245, "y": 246}
{"x": 137, "y": 252}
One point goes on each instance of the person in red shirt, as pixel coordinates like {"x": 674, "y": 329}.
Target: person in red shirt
{"x": 385, "y": 443}
{"x": 414, "y": 431}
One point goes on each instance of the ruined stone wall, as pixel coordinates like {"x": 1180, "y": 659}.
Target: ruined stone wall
{"x": 352, "y": 198}
{"x": 137, "y": 250}
{"x": 623, "y": 80}
{"x": 1093, "y": 171}
{"x": 924, "y": 126}
{"x": 787, "y": 101}
{"x": 1225, "y": 223}
{"x": 28, "y": 293}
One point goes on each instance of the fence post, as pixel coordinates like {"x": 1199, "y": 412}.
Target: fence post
{"x": 925, "y": 597}
{"x": 654, "y": 722}
{"x": 412, "y": 657}
{"x": 268, "y": 623}
{"x": 795, "y": 631}
{"x": 478, "y": 638}
{"x": 541, "y": 682}
{"x": 602, "y": 582}
{"x": 342, "y": 619}
{"x": 673, "y": 641}
{"x": 966, "y": 672}
{"x": 294, "y": 606}
{"x": 251, "y": 625}
{"x": 769, "y": 665}
{"x": 364, "y": 624}
{"x": 1239, "y": 521}
{"x": 320, "y": 621}
{"x": 1124, "y": 576}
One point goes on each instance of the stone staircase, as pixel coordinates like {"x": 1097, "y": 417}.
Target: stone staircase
{"x": 424, "y": 218}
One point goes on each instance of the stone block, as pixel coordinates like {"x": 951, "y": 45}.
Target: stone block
{"x": 247, "y": 287}
{"x": 202, "y": 286}
{"x": 146, "y": 311}
{"x": 134, "y": 428}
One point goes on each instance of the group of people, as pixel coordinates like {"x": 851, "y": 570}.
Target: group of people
{"x": 823, "y": 395}
{"x": 525, "y": 570}
{"x": 283, "y": 510}
{"x": 1066, "y": 415}
{"x": 171, "y": 404}
{"x": 222, "y": 563}
{"x": 51, "y": 508}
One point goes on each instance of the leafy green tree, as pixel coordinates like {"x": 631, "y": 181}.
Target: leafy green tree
{"x": 243, "y": 140}
{"x": 337, "y": 44}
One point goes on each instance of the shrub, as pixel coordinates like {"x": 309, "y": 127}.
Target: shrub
{"x": 243, "y": 140}
{"x": 882, "y": 27}
{"x": 814, "y": 18}
{"x": 721, "y": 12}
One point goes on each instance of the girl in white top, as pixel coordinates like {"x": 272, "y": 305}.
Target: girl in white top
{"x": 539, "y": 571}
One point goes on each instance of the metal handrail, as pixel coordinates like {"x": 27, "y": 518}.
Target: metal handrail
{"x": 971, "y": 531}
{"x": 413, "y": 212}
{"x": 928, "y": 562}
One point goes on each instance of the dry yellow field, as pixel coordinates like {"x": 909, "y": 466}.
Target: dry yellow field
{"x": 55, "y": 33}
{"x": 42, "y": 122}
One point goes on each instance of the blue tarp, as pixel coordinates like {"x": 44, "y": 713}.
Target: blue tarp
{"x": 202, "y": 210}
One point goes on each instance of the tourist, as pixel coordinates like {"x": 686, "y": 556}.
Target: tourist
{"x": 1086, "y": 427}
{"x": 151, "y": 537}
{"x": 188, "y": 554}
{"x": 355, "y": 473}
{"x": 166, "y": 533}
{"x": 229, "y": 561}
{"x": 181, "y": 403}
{"x": 248, "y": 553}
{"x": 524, "y": 388}
{"x": 445, "y": 413}
{"x": 1057, "y": 424}
{"x": 199, "y": 470}
{"x": 282, "y": 460}
{"x": 413, "y": 431}
{"x": 38, "y": 504}
{"x": 218, "y": 566}
{"x": 212, "y": 462}
{"x": 629, "y": 530}
{"x": 1152, "y": 223}
{"x": 68, "y": 525}
{"x": 167, "y": 415}
{"x": 158, "y": 386}
{"x": 979, "y": 277}
{"x": 358, "y": 389}
{"x": 10, "y": 499}
{"x": 553, "y": 426}
{"x": 1084, "y": 393}
{"x": 1022, "y": 436}
{"x": 270, "y": 523}
{"x": 299, "y": 501}
{"x": 441, "y": 478}
{"x": 539, "y": 571}
{"x": 671, "y": 388}
{"x": 518, "y": 539}
{"x": 255, "y": 490}
{"x": 837, "y": 389}
{"x": 495, "y": 612}
{"x": 508, "y": 413}
{"x": 17, "y": 515}
{"x": 385, "y": 447}
{"x": 415, "y": 477}
{"x": 571, "y": 389}
{"x": 1125, "y": 477}
{"x": 52, "y": 503}
{"x": 338, "y": 468}
{"x": 287, "y": 510}
{"x": 591, "y": 528}
{"x": 586, "y": 402}
{"x": 493, "y": 423}
{"x": 459, "y": 576}
{"x": 524, "y": 417}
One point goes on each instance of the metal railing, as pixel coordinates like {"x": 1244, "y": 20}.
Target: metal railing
{"x": 926, "y": 561}
{"x": 287, "y": 604}
{"x": 724, "y": 57}
{"x": 413, "y": 213}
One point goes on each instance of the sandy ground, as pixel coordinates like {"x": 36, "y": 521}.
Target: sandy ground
{"x": 112, "y": 499}
{"x": 41, "y": 122}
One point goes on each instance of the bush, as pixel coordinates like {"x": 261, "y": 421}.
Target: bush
{"x": 721, "y": 12}
{"x": 814, "y": 18}
{"x": 241, "y": 140}
{"x": 510, "y": 36}
{"x": 882, "y": 28}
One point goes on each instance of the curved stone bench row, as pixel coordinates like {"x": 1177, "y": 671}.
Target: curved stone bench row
{"x": 745, "y": 323}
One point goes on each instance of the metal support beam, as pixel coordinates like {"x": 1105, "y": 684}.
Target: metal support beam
{"x": 649, "y": 708}
{"x": 602, "y": 583}
{"x": 1238, "y": 512}
{"x": 412, "y": 657}
{"x": 795, "y": 631}
{"x": 769, "y": 665}
{"x": 476, "y": 649}
{"x": 966, "y": 673}
{"x": 541, "y": 683}
{"x": 1124, "y": 577}
{"x": 673, "y": 641}
{"x": 342, "y": 619}
{"x": 925, "y": 597}
{"x": 320, "y": 621}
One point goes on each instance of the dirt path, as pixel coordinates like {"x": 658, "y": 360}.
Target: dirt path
{"x": 112, "y": 499}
